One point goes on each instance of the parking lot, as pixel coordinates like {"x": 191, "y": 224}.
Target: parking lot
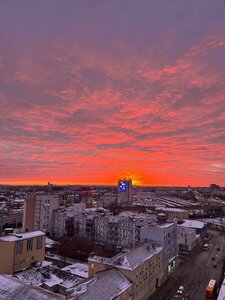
{"x": 195, "y": 272}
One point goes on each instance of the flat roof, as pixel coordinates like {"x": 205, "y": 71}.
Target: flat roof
{"x": 22, "y": 236}
{"x": 174, "y": 209}
{"x": 193, "y": 224}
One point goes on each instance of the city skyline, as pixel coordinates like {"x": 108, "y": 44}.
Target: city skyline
{"x": 92, "y": 91}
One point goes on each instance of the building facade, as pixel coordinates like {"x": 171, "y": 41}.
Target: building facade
{"x": 124, "y": 191}
{"x": 186, "y": 238}
{"x": 19, "y": 251}
{"x": 176, "y": 213}
{"x": 142, "y": 265}
{"x": 165, "y": 235}
{"x": 38, "y": 212}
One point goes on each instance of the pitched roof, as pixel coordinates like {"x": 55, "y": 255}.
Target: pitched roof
{"x": 106, "y": 285}
{"x": 132, "y": 258}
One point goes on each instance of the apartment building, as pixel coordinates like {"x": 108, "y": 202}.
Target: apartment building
{"x": 142, "y": 265}
{"x": 38, "y": 212}
{"x": 165, "y": 235}
{"x": 60, "y": 215}
{"x": 113, "y": 231}
{"x": 19, "y": 251}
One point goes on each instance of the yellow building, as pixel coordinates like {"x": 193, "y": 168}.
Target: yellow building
{"x": 177, "y": 213}
{"x": 19, "y": 251}
{"x": 142, "y": 265}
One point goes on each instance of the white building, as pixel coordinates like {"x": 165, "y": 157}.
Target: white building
{"x": 165, "y": 235}
{"x": 186, "y": 238}
{"x": 199, "y": 226}
{"x": 60, "y": 216}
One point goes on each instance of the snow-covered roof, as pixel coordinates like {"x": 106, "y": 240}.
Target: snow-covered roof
{"x": 49, "y": 241}
{"x": 78, "y": 269}
{"x": 48, "y": 275}
{"x": 193, "y": 224}
{"x": 22, "y": 236}
{"x": 14, "y": 289}
{"x": 174, "y": 209}
{"x": 132, "y": 258}
{"x": 106, "y": 285}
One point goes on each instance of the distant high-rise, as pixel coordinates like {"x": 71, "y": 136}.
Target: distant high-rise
{"x": 124, "y": 191}
{"x": 38, "y": 210}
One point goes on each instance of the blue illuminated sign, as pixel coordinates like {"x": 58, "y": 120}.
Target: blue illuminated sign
{"x": 122, "y": 186}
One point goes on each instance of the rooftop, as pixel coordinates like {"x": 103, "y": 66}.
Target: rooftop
{"x": 174, "y": 209}
{"x": 23, "y": 236}
{"x": 49, "y": 275}
{"x": 193, "y": 224}
{"x": 78, "y": 269}
{"x": 14, "y": 289}
{"x": 106, "y": 285}
{"x": 132, "y": 258}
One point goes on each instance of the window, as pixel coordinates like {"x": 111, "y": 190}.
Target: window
{"x": 19, "y": 247}
{"x": 29, "y": 245}
{"x": 39, "y": 242}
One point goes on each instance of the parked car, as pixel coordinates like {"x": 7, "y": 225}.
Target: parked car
{"x": 180, "y": 290}
{"x": 213, "y": 258}
{"x": 214, "y": 265}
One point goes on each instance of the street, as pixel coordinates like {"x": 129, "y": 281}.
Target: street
{"x": 195, "y": 272}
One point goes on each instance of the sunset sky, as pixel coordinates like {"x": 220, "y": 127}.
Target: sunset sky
{"x": 96, "y": 90}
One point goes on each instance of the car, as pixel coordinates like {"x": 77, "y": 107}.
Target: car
{"x": 214, "y": 265}
{"x": 213, "y": 258}
{"x": 180, "y": 290}
{"x": 218, "y": 249}
{"x": 220, "y": 233}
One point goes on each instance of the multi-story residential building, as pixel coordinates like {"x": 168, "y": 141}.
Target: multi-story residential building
{"x": 101, "y": 230}
{"x": 20, "y": 251}
{"x": 165, "y": 235}
{"x": 186, "y": 238}
{"x": 119, "y": 231}
{"x": 38, "y": 211}
{"x": 59, "y": 217}
{"x": 124, "y": 191}
{"x": 142, "y": 265}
